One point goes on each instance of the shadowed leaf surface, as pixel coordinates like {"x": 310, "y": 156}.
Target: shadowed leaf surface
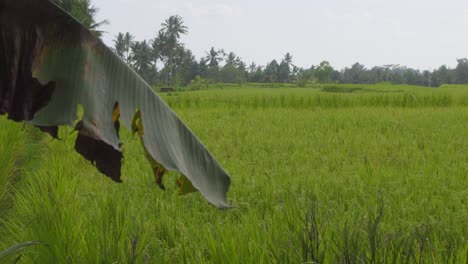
{"x": 21, "y": 95}
{"x": 51, "y": 130}
{"x": 106, "y": 159}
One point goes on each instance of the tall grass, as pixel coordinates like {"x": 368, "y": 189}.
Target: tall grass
{"x": 341, "y": 184}
{"x": 18, "y": 148}
{"x": 330, "y": 96}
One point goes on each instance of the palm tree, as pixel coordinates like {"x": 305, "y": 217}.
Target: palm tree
{"x": 160, "y": 46}
{"x": 172, "y": 28}
{"x": 119, "y": 45}
{"x": 161, "y": 50}
{"x": 232, "y": 59}
{"x": 122, "y": 46}
{"x": 84, "y": 12}
{"x": 128, "y": 41}
{"x": 142, "y": 58}
{"x": 185, "y": 65}
{"x": 288, "y": 59}
{"x": 213, "y": 57}
{"x": 252, "y": 67}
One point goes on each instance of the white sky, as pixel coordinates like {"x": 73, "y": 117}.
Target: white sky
{"x": 422, "y": 34}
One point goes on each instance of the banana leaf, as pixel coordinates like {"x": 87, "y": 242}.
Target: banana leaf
{"x": 50, "y": 64}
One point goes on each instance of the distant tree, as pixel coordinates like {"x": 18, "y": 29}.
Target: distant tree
{"x": 142, "y": 59}
{"x": 322, "y": 72}
{"x": 356, "y": 74}
{"x": 288, "y": 59}
{"x": 168, "y": 36}
{"x": 283, "y": 72}
{"x": 234, "y": 69}
{"x": 396, "y": 77}
{"x": 203, "y": 67}
{"x": 233, "y": 59}
{"x": 442, "y": 75}
{"x": 119, "y": 45}
{"x": 122, "y": 46}
{"x": 84, "y": 12}
{"x": 462, "y": 71}
{"x": 242, "y": 67}
{"x": 214, "y": 57}
{"x": 335, "y": 76}
{"x": 377, "y": 74}
{"x": 303, "y": 77}
{"x": 187, "y": 68}
{"x": 287, "y": 68}
{"x": 252, "y": 67}
{"x": 174, "y": 26}
{"x": 295, "y": 71}
{"x": 426, "y": 79}
{"x": 161, "y": 47}
{"x": 230, "y": 74}
{"x": 270, "y": 73}
{"x": 256, "y": 75}
{"x": 308, "y": 73}
{"x": 411, "y": 76}
{"x": 128, "y": 41}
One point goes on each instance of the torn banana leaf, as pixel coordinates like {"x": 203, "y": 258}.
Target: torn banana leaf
{"x": 185, "y": 186}
{"x": 50, "y": 64}
{"x": 158, "y": 169}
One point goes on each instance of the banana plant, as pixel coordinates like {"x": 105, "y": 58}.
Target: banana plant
{"x": 50, "y": 64}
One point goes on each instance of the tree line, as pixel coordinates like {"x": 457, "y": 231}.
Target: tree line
{"x": 165, "y": 61}
{"x": 179, "y": 67}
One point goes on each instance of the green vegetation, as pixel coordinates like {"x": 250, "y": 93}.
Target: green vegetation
{"x": 180, "y": 66}
{"x": 251, "y": 96}
{"x": 18, "y": 153}
{"x": 348, "y": 173}
{"x": 85, "y": 12}
{"x": 336, "y": 173}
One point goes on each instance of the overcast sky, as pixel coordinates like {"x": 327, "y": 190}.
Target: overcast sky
{"x": 421, "y": 34}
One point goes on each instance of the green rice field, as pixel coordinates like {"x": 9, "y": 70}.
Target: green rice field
{"x": 331, "y": 174}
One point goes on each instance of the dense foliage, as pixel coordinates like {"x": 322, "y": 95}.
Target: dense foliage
{"x": 180, "y": 66}
{"x": 84, "y": 12}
